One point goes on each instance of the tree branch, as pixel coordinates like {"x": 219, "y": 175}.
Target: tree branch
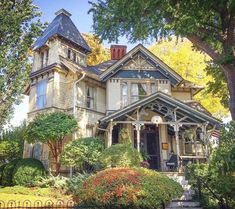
{"x": 198, "y": 42}
{"x": 231, "y": 28}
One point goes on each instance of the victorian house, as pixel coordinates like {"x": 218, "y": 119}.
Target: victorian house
{"x": 134, "y": 90}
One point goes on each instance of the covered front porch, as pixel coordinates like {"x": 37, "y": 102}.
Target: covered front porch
{"x": 171, "y": 133}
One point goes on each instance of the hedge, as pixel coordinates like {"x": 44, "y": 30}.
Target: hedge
{"x": 8, "y": 171}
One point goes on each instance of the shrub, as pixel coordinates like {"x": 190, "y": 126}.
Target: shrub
{"x": 75, "y": 183}
{"x": 215, "y": 182}
{"x": 27, "y": 172}
{"x": 1, "y": 172}
{"x": 83, "y": 153}
{"x": 7, "y": 174}
{"x": 57, "y": 182}
{"x": 128, "y": 188}
{"x": 121, "y": 155}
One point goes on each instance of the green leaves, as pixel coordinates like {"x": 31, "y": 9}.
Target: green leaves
{"x": 83, "y": 153}
{"x": 217, "y": 179}
{"x": 121, "y": 155}
{"x": 50, "y": 127}
{"x": 17, "y": 33}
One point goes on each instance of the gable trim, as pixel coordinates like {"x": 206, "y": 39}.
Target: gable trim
{"x": 167, "y": 99}
{"x": 117, "y": 66}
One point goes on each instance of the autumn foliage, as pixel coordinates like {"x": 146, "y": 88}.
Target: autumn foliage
{"x": 128, "y": 188}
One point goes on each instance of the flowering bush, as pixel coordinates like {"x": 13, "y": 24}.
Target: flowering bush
{"x": 128, "y": 188}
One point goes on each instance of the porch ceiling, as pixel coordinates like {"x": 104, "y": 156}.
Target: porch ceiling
{"x": 168, "y": 107}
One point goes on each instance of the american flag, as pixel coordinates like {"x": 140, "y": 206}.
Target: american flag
{"x": 216, "y": 133}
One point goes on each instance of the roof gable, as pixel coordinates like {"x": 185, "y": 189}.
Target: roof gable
{"x": 182, "y": 108}
{"x": 143, "y": 64}
{"x": 63, "y": 26}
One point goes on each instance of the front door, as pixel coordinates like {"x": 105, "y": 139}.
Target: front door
{"x": 151, "y": 145}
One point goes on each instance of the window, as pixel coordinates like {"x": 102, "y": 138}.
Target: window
{"x": 90, "y": 100}
{"x": 47, "y": 55}
{"x": 42, "y": 59}
{"x": 41, "y": 94}
{"x": 69, "y": 53}
{"x": 74, "y": 56}
{"x": 153, "y": 88}
{"x": 138, "y": 91}
{"x": 124, "y": 94}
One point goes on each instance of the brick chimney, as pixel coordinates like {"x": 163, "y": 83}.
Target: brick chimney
{"x": 117, "y": 51}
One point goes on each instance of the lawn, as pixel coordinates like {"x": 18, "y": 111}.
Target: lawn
{"x": 22, "y": 196}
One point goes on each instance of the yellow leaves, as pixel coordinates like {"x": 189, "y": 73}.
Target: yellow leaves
{"x": 191, "y": 65}
{"x": 98, "y": 53}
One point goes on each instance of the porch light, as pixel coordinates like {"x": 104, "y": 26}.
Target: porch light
{"x": 156, "y": 119}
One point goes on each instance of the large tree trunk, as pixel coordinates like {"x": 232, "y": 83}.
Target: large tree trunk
{"x": 230, "y": 78}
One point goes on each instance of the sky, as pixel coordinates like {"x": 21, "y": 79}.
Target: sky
{"x": 83, "y": 21}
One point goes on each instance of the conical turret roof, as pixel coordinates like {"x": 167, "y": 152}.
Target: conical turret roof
{"x": 63, "y": 26}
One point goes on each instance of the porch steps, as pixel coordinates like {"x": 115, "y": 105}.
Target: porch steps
{"x": 186, "y": 200}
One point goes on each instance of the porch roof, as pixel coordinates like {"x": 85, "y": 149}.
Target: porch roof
{"x": 164, "y": 105}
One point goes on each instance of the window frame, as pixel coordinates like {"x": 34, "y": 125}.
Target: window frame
{"x": 90, "y": 97}
{"x": 129, "y": 100}
{"x": 124, "y": 103}
{"x": 40, "y": 96}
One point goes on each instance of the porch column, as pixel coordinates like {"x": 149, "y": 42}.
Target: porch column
{"x": 138, "y": 127}
{"x": 110, "y": 131}
{"x": 176, "y": 129}
{"x": 138, "y": 136}
{"x": 205, "y": 141}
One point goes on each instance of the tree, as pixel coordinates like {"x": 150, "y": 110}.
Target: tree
{"x": 82, "y": 153}
{"x": 216, "y": 180}
{"x": 51, "y": 129}
{"x": 17, "y": 33}
{"x": 98, "y": 53}
{"x": 191, "y": 65}
{"x": 209, "y": 25}
{"x": 12, "y": 143}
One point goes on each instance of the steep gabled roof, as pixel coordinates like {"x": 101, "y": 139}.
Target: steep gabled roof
{"x": 160, "y": 65}
{"x": 62, "y": 26}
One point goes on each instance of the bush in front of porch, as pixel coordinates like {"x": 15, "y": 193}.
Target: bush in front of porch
{"x": 128, "y": 188}
{"x": 121, "y": 155}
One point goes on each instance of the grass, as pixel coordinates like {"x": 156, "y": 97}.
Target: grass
{"x": 20, "y": 196}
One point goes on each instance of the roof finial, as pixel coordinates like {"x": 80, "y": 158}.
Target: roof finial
{"x": 63, "y": 11}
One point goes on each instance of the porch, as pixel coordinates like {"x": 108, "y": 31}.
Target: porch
{"x": 162, "y": 127}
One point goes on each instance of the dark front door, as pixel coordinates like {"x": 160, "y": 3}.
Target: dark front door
{"x": 152, "y": 147}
